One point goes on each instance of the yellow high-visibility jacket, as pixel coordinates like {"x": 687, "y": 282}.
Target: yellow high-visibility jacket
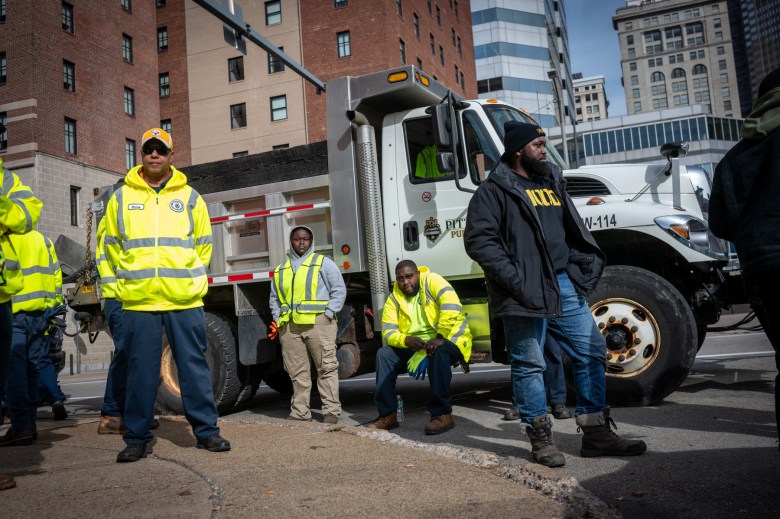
{"x": 443, "y": 312}
{"x": 158, "y": 244}
{"x": 41, "y": 270}
{"x": 105, "y": 271}
{"x": 19, "y": 212}
{"x": 297, "y": 292}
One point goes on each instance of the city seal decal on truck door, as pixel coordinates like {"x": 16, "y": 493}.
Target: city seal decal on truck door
{"x": 432, "y": 229}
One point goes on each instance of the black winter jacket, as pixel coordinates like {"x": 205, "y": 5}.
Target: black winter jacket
{"x": 504, "y": 236}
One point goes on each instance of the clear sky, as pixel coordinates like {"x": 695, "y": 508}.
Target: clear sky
{"x": 593, "y": 45}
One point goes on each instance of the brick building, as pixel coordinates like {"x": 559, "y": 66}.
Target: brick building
{"x": 81, "y": 80}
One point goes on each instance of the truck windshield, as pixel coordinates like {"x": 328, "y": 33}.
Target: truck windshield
{"x": 499, "y": 114}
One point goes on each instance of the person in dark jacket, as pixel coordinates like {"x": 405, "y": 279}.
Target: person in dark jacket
{"x": 745, "y": 207}
{"x": 539, "y": 262}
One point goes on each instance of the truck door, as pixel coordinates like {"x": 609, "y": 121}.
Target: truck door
{"x": 430, "y": 210}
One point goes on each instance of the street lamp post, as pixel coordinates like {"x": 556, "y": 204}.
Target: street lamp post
{"x": 558, "y": 91}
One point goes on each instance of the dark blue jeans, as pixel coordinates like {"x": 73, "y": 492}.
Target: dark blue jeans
{"x": 390, "y": 362}
{"x": 554, "y": 375}
{"x": 26, "y": 350}
{"x": 577, "y": 334}
{"x": 186, "y": 331}
{"x": 48, "y": 388}
{"x": 116, "y": 383}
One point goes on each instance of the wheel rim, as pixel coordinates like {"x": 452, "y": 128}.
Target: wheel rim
{"x": 168, "y": 372}
{"x": 632, "y": 335}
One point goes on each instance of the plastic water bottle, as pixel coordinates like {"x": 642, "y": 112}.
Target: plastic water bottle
{"x": 400, "y": 412}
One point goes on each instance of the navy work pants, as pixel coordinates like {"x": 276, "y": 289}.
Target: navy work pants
{"x": 116, "y": 383}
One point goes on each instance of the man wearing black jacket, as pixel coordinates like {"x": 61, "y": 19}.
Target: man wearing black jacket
{"x": 539, "y": 262}
{"x": 745, "y": 207}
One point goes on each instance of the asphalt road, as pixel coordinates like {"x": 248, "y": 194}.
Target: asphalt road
{"x": 712, "y": 445}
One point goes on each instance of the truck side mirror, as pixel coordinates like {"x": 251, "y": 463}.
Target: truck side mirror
{"x": 442, "y": 126}
{"x": 672, "y": 150}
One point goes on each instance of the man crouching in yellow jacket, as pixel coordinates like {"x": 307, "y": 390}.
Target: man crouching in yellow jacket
{"x": 424, "y": 329}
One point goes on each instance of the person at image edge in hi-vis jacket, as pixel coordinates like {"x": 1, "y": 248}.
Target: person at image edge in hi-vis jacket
{"x": 19, "y": 213}
{"x": 306, "y": 294}
{"x": 158, "y": 243}
{"x": 424, "y": 330}
{"x": 42, "y": 290}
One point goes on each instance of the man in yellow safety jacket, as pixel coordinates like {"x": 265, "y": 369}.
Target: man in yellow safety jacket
{"x": 307, "y": 293}
{"x": 424, "y": 329}
{"x": 158, "y": 243}
{"x": 42, "y": 290}
{"x": 19, "y": 212}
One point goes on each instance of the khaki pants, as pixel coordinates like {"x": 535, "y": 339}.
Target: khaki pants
{"x": 305, "y": 343}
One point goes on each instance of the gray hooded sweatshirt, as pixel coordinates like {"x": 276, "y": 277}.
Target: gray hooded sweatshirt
{"x": 330, "y": 285}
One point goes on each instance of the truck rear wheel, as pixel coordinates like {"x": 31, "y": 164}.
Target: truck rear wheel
{"x": 650, "y": 335}
{"x": 274, "y": 375}
{"x": 223, "y": 365}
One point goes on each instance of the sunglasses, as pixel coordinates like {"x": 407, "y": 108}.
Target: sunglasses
{"x": 159, "y": 148}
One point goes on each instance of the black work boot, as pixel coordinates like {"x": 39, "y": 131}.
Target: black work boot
{"x": 543, "y": 448}
{"x": 600, "y": 440}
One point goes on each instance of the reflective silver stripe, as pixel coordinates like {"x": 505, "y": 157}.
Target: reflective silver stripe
{"x": 102, "y": 258}
{"x": 428, "y": 295}
{"x": 455, "y": 338}
{"x": 120, "y": 214}
{"x": 203, "y": 240}
{"x": 454, "y": 307}
{"x": 313, "y": 262}
{"x": 163, "y": 273}
{"x": 8, "y": 182}
{"x": 58, "y": 291}
{"x": 37, "y": 269}
{"x": 190, "y": 206}
{"x": 11, "y": 264}
{"x": 111, "y": 240}
{"x": 309, "y": 307}
{"x": 18, "y": 195}
{"x": 280, "y": 274}
{"x": 284, "y": 309}
{"x": 445, "y": 289}
{"x": 39, "y": 294}
{"x": 389, "y": 326}
{"x": 28, "y": 227}
{"x": 108, "y": 279}
{"x": 138, "y": 243}
{"x": 386, "y": 336}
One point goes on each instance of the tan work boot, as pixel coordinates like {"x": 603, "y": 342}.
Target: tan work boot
{"x": 543, "y": 449}
{"x": 439, "y": 424}
{"x": 111, "y": 425}
{"x": 330, "y": 419}
{"x": 385, "y": 422}
{"x": 6, "y": 482}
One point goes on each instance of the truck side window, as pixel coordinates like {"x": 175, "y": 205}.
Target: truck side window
{"x": 422, "y": 152}
{"x": 481, "y": 154}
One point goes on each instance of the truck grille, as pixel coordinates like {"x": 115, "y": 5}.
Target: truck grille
{"x": 582, "y": 187}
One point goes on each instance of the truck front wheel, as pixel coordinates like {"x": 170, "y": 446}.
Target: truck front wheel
{"x": 650, "y": 334}
{"x": 223, "y": 365}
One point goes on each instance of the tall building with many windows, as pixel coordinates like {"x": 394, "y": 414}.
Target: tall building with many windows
{"x": 79, "y": 84}
{"x": 522, "y": 56}
{"x": 590, "y": 98}
{"x": 677, "y": 53}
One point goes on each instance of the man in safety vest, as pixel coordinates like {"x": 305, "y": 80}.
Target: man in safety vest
{"x": 307, "y": 293}
{"x": 19, "y": 212}
{"x": 42, "y": 289}
{"x": 158, "y": 243}
{"x": 424, "y": 329}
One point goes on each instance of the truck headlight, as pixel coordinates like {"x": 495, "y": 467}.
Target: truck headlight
{"x": 693, "y": 233}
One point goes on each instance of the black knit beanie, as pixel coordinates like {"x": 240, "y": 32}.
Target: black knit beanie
{"x": 516, "y": 135}
{"x": 772, "y": 80}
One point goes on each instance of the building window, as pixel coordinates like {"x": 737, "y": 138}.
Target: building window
{"x": 241, "y": 153}
{"x": 402, "y": 47}
{"x": 660, "y": 103}
{"x": 129, "y": 101}
{"x": 126, "y": 5}
{"x": 718, "y": 36}
{"x": 462, "y": 82}
{"x": 632, "y": 66}
{"x": 629, "y": 26}
{"x": 67, "y": 17}
{"x": 630, "y": 39}
{"x": 279, "y": 108}
{"x": 701, "y": 96}
{"x": 238, "y": 116}
{"x": 274, "y": 63}
{"x": 2, "y": 11}
{"x": 725, "y": 92}
{"x": 74, "y": 205}
{"x": 722, "y": 64}
{"x": 655, "y": 77}
{"x": 343, "y": 43}
{"x": 340, "y": 3}
{"x": 273, "y": 12}
{"x": 4, "y": 133}
{"x": 460, "y": 50}
{"x": 160, "y": 3}
{"x": 400, "y": 8}
{"x": 280, "y": 147}
{"x": 679, "y": 86}
{"x": 70, "y": 137}
{"x": 678, "y": 73}
{"x": 417, "y": 26}
{"x": 634, "y": 80}
{"x": 165, "y": 85}
{"x": 441, "y": 54}
{"x": 631, "y": 52}
{"x": 129, "y": 154}
{"x": 721, "y": 50}
{"x": 430, "y": 6}
{"x": 658, "y": 90}
{"x": 235, "y": 69}
{"x": 637, "y": 106}
{"x": 166, "y": 125}
{"x": 716, "y": 23}
{"x": 162, "y": 38}
{"x": 3, "y": 68}
{"x": 635, "y": 93}
{"x": 456, "y": 10}
{"x": 454, "y": 43}
{"x": 127, "y": 48}
{"x": 457, "y": 74}
{"x": 700, "y": 82}
{"x": 433, "y": 44}
{"x": 724, "y": 78}
{"x": 438, "y": 16}
{"x": 727, "y": 105}
{"x": 681, "y": 100}
{"x": 69, "y": 76}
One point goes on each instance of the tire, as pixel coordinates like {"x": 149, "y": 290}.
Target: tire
{"x": 274, "y": 375}
{"x": 223, "y": 365}
{"x": 701, "y": 330}
{"x": 650, "y": 333}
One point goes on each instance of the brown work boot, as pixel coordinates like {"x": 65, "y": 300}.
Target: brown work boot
{"x": 561, "y": 412}
{"x": 6, "y": 482}
{"x": 543, "y": 449}
{"x": 600, "y": 440}
{"x": 439, "y": 424}
{"x": 16, "y": 437}
{"x": 111, "y": 425}
{"x": 330, "y": 419}
{"x": 385, "y": 422}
